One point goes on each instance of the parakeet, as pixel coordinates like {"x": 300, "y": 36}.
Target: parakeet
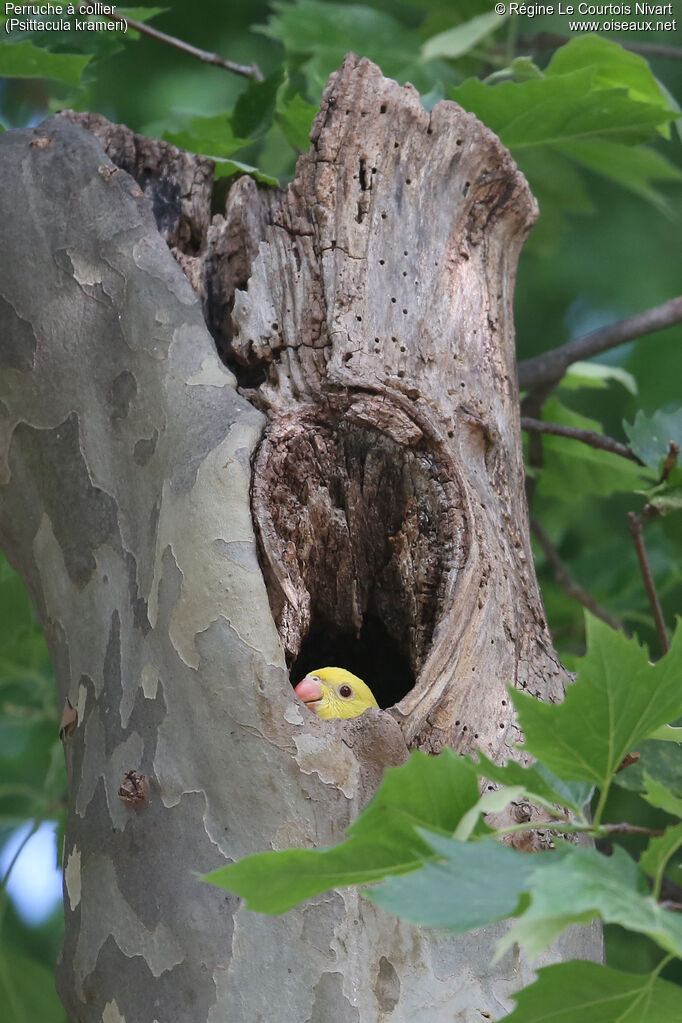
{"x": 335, "y": 693}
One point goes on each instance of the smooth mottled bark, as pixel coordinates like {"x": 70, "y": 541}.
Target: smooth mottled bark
{"x": 366, "y": 313}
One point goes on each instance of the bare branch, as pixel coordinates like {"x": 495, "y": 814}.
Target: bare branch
{"x": 246, "y": 70}
{"x": 564, "y": 578}
{"x": 553, "y": 40}
{"x": 549, "y": 367}
{"x": 629, "y": 829}
{"x": 590, "y": 437}
{"x": 635, "y": 525}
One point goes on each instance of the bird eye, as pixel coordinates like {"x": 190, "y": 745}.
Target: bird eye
{"x": 345, "y": 691}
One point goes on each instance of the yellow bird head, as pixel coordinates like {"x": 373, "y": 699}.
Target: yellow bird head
{"x": 335, "y": 693}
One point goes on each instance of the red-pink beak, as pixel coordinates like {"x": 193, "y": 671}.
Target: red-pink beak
{"x": 309, "y": 691}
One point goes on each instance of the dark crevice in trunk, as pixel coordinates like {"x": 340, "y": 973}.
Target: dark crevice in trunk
{"x": 359, "y": 536}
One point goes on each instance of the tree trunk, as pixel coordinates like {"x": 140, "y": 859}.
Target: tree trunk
{"x": 366, "y": 315}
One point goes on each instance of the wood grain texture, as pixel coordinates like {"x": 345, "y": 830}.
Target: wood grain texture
{"x": 377, "y": 453}
{"x": 390, "y": 479}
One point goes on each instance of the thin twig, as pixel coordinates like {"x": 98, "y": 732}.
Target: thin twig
{"x": 553, "y": 40}
{"x": 549, "y": 367}
{"x": 635, "y": 525}
{"x": 590, "y": 437}
{"x": 246, "y": 70}
{"x": 564, "y": 578}
{"x": 630, "y": 829}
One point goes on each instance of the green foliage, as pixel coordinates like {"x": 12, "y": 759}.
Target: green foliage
{"x": 579, "y": 120}
{"x": 384, "y": 840}
{"x": 443, "y": 867}
{"x": 32, "y": 786}
{"x": 594, "y": 102}
{"x": 488, "y": 879}
{"x": 27, "y": 989}
{"x": 650, "y": 436}
{"x": 618, "y": 700}
{"x": 595, "y": 994}
{"x": 571, "y": 468}
{"x": 24, "y": 60}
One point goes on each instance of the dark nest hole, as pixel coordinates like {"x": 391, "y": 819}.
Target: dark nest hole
{"x": 358, "y": 536}
{"x": 371, "y": 654}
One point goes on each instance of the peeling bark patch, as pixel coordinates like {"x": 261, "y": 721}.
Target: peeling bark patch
{"x": 149, "y": 680}
{"x": 105, "y": 912}
{"x": 330, "y": 1002}
{"x": 328, "y": 757}
{"x": 242, "y": 552}
{"x": 183, "y": 994}
{"x": 49, "y": 468}
{"x": 122, "y": 392}
{"x": 17, "y": 340}
{"x": 69, "y": 721}
{"x": 111, "y": 1013}
{"x": 72, "y": 877}
{"x": 208, "y": 426}
{"x": 387, "y": 986}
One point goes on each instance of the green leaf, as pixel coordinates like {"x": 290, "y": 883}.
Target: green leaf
{"x": 592, "y": 993}
{"x": 255, "y": 108}
{"x": 330, "y": 30}
{"x": 493, "y": 801}
{"x": 296, "y": 118}
{"x": 634, "y": 168}
{"x": 661, "y": 797}
{"x": 434, "y": 792}
{"x": 27, "y": 991}
{"x": 538, "y": 783}
{"x": 658, "y": 760}
{"x": 658, "y": 852}
{"x": 583, "y": 885}
{"x": 572, "y": 468}
{"x": 650, "y": 436}
{"x": 667, "y": 496}
{"x": 559, "y": 109}
{"x": 524, "y": 69}
{"x": 24, "y": 60}
{"x": 613, "y": 67}
{"x": 232, "y": 168}
{"x": 596, "y": 375}
{"x": 474, "y": 884}
{"x": 618, "y": 700}
{"x": 459, "y": 40}
{"x": 212, "y": 136}
{"x": 141, "y": 13}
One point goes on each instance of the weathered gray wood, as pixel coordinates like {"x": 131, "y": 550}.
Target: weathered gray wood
{"x": 380, "y": 304}
{"x": 124, "y": 502}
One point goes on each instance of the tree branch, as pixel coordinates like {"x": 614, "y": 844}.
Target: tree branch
{"x": 590, "y": 437}
{"x": 553, "y": 40}
{"x": 564, "y": 578}
{"x": 246, "y": 70}
{"x": 635, "y": 525}
{"x": 630, "y": 829}
{"x": 549, "y": 367}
